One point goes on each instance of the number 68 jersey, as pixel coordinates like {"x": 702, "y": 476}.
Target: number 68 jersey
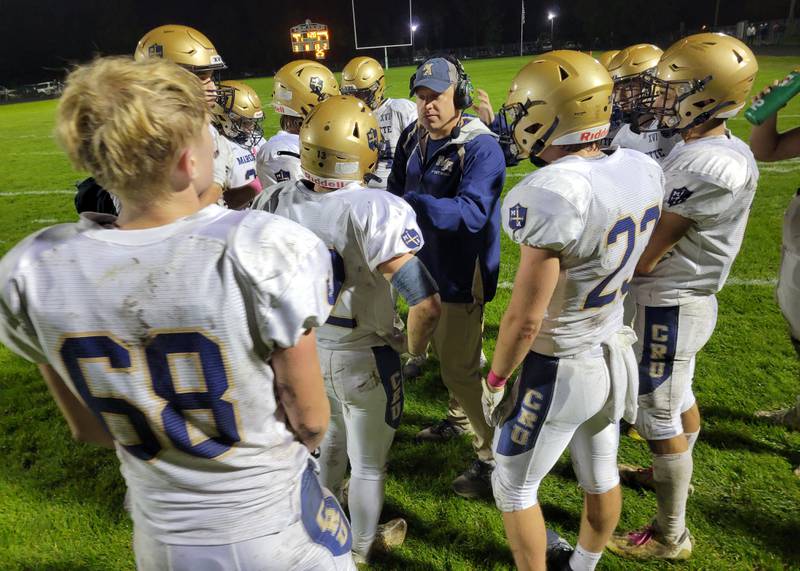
{"x": 166, "y": 334}
{"x": 598, "y": 215}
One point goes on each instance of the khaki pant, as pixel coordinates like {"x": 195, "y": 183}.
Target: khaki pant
{"x": 457, "y": 342}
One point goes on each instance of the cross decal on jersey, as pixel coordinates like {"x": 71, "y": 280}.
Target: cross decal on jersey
{"x": 517, "y": 216}
{"x": 679, "y": 196}
{"x": 411, "y": 238}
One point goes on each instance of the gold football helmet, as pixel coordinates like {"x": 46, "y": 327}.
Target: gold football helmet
{"x": 700, "y": 77}
{"x": 339, "y": 142}
{"x": 300, "y": 85}
{"x": 238, "y": 115}
{"x": 182, "y": 45}
{"x": 559, "y": 98}
{"x": 626, "y": 69}
{"x": 606, "y": 57}
{"x": 363, "y": 77}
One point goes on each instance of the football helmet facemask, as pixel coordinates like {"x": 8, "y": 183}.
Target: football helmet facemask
{"x": 301, "y": 85}
{"x": 700, "y": 77}
{"x": 559, "y": 98}
{"x": 339, "y": 142}
{"x": 626, "y": 69}
{"x": 363, "y": 77}
{"x": 238, "y": 114}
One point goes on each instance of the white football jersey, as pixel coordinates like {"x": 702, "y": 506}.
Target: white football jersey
{"x": 712, "y": 182}
{"x": 278, "y": 159}
{"x": 362, "y": 228}
{"x": 598, "y": 214}
{"x": 393, "y": 115}
{"x": 244, "y": 164}
{"x": 788, "y": 291}
{"x": 223, "y": 158}
{"x": 654, "y": 145}
{"x": 166, "y": 334}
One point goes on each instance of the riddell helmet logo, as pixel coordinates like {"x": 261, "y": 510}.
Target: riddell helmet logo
{"x": 587, "y": 136}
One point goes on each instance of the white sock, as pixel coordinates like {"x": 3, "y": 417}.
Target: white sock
{"x": 672, "y": 474}
{"x": 583, "y": 560}
{"x": 365, "y": 502}
{"x": 691, "y": 438}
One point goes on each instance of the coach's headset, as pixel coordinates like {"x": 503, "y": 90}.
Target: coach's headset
{"x": 462, "y": 96}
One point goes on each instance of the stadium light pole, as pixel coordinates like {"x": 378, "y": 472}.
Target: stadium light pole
{"x": 552, "y": 17}
{"x": 414, "y": 28}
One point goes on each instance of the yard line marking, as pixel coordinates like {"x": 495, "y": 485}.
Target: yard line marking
{"x": 36, "y": 192}
{"x": 23, "y": 153}
{"x": 30, "y": 136}
{"x": 45, "y": 220}
{"x": 731, "y": 282}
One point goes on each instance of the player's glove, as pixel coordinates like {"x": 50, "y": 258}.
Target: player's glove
{"x": 496, "y": 403}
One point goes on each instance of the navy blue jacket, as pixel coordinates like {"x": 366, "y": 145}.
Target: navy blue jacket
{"x": 456, "y": 196}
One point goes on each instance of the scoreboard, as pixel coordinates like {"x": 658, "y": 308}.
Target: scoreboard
{"x": 310, "y": 37}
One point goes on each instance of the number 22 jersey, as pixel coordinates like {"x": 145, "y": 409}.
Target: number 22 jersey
{"x": 598, "y": 215}
{"x": 165, "y": 334}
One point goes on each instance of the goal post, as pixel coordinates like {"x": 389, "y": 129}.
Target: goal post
{"x": 385, "y": 47}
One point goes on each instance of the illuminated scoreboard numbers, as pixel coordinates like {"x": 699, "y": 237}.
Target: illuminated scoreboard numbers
{"x": 310, "y": 37}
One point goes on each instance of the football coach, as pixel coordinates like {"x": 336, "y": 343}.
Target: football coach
{"x": 449, "y": 167}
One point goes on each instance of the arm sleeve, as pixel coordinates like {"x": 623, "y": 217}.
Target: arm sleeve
{"x": 391, "y": 229}
{"x": 541, "y": 219}
{"x": 288, "y": 270}
{"x": 696, "y": 197}
{"x": 479, "y": 190}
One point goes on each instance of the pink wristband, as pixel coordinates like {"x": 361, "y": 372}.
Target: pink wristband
{"x": 494, "y": 381}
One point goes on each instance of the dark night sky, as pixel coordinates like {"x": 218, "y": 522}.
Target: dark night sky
{"x": 39, "y": 38}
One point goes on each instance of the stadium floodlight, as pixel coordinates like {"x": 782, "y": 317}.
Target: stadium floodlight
{"x": 552, "y": 17}
{"x": 412, "y": 26}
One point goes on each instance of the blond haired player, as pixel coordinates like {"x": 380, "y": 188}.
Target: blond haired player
{"x": 581, "y": 221}
{"x": 372, "y": 237}
{"x": 363, "y": 77}
{"x": 180, "y": 335}
{"x": 711, "y": 177}
{"x": 297, "y": 88}
{"x": 238, "y": 117}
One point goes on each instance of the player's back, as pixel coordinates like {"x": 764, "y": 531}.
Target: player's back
{"x": 278, "y": 159}
{"x": 166, "y": 334}
{"x": 362, "y": 228}
{"x": 394, "y": 115}
{"x": 598, "y": 213}
{"x": 712, "y": 182}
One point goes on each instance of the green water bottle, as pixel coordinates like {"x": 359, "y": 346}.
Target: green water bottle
{"x": 766, "y": 106}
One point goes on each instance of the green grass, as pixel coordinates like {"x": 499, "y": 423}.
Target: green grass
{"x": 61, "y": 502}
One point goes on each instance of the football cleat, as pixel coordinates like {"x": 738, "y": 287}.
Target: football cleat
{"x": 558, "y": 553}
{"x": 475, "y": 482}
{"x": 413, "y": 367}
{"x": 639, "y": 477}
{"x": 648, "y": 543}
{"x": 390, "y": 534}
{"x": 788, "y": 417}
{"x": 442, "y": 431}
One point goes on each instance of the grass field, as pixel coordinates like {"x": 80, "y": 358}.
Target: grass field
{"x": 61, "y": 502}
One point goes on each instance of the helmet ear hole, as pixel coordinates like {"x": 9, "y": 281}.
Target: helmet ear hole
{"x": 533, "y": 129}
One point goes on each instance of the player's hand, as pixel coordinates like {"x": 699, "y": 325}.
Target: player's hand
{"x": 763, "y": 93}
{"x": 495, "y": 406}
{"x": 483, "y": 107}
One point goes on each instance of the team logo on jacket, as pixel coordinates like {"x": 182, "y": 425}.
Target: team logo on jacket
{"x": 679, "y": 196}
{"x": 372, "y": 139}
{"x": 411, "y": 238}
{"x": 444, "y": 166}
{"x": 517, "y": 216}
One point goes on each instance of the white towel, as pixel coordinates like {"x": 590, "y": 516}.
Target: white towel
{"x": 624, "y": 373}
